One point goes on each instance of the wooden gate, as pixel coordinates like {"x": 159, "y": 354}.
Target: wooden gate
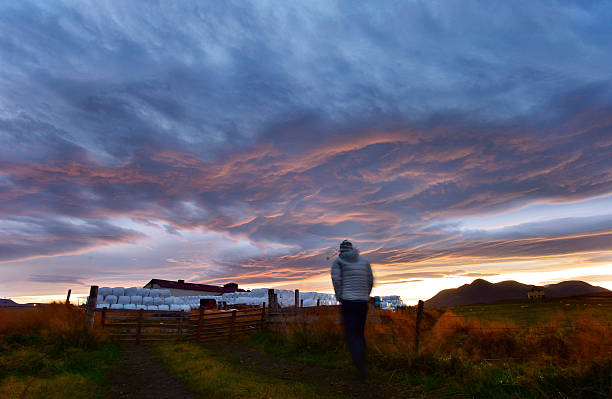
{"x": 201, "y": 326}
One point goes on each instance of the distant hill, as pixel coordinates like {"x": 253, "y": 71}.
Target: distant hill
{"x": 7, "y": 302}
{"x": 481, "y": 291}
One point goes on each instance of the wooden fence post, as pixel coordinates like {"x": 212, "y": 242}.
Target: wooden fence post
{"x": 318, "y": 302}
{"x": 68, "y": 297}
{"x": 263, "y": 316}
{"x": 103, "y": 318}
{"x": 301, "y": 303}
{"x": 180, "y": 326}
{"x": 139, "y": 328}
{"x": 92, "y": 301}
{"x": 417, "y": 331}
{"x": 200, "y": 320}
{"x": 270, "y": 299}
{"x": 233, "y": 324}
{"x": 297, "y": 298}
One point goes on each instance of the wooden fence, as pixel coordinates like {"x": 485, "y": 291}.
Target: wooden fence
{"x": 200, "y": 326}
{"x": 203, "y": 326}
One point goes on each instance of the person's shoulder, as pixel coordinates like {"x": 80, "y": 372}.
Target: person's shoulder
{"x": 363, "y": 259}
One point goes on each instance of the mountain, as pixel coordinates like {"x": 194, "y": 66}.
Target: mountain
{"x": 7, "y": 302}
{"x": 481, "y": 291}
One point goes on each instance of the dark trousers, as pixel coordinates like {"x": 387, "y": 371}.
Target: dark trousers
{"x": 354, "y": 314}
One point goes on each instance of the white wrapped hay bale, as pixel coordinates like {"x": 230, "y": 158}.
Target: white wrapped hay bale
{"x": 152, "y": 307}
{"x": 131, "y": 291}
{"x": 110, "y": 299}
{"x": 310, "y": 302}
{"x": 140, "y": 291}
{"x": 118, "y": 291}
{"x": 308, "y": 295}
{"x": 175, "y": 307}
{"x": 129, "y": 306}
{"x": 100, "y": 298}
{"x": 163, "y": 307}
{"x": 165, "y": 293}
{"x": 116, "y": 306}
{"x": 141, "y": 306}
{"x": 187, "y": 308}
{"x": 101, "y": 305}
{"x": 104, "y": 291}
{"x": 158, "y": 300}
{"x": 244, "y": 300}
{"x": 147, "y": 300}
{"x": 136, "y": 299}
{"x": 259, "y": 292}
{"x": 169, "y": 300}
{"x": 146, "y": 292}
{"x": 154, "y": 292}
{"x": 124, "y": 300}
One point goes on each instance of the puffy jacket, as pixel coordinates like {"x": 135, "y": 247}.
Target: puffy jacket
{"x": 352, "y": 276}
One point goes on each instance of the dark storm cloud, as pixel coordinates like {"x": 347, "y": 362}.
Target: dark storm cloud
{"x": 302, "y": 125}
{"x": 23, "y": 237}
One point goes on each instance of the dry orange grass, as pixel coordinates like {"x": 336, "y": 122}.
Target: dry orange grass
{"x": 560, "y": 341}
{"x": 56, "y": 323}
{"x": 391, "y": 335}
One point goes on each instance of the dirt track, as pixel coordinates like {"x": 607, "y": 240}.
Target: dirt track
{"x": 141, "y": 376}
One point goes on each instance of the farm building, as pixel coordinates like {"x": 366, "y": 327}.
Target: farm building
{"x": 181, "y": 288}
{"x": 535, "y": 293}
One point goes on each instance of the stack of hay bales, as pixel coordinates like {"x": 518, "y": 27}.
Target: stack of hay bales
{"x": 133, "y": 298}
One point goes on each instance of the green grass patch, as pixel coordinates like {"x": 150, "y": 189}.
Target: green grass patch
{"x": 52, "y": 353}
{"x": 215, "y": 377}
{"x": 39, "y": 371}
{"x": 330, "y": 356}
{"x": 454, "y": 374}
{"x": 337, "y": 359}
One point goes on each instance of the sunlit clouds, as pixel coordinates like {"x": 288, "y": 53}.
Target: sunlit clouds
{"x": 243, "y": 142}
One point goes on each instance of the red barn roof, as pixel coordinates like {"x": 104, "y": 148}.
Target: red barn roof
{"x": 181, "y": 285}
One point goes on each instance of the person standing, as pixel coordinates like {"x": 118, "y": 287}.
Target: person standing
{"x": 353, "y": 280}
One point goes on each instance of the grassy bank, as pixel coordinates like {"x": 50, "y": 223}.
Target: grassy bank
{"x": 49, "y": 352}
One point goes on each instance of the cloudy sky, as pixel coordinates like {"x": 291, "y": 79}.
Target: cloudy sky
{"x": 242, "y": 141}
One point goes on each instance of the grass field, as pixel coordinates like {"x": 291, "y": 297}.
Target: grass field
{"x": 50, "y": 353}
{"x": 526, "y": 313}
{"x": 558, "y": 348}
{"x": 510, "y": 350}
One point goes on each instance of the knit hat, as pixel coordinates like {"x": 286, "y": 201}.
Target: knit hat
{"x": 346, "y": 246}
